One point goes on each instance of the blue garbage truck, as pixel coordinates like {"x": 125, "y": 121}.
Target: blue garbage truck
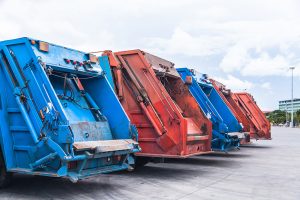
{"x": 59, "y": 116}
{"x": 226, "y": 127}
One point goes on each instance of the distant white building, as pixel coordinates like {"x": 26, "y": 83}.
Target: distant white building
{"x": 286, "y": 105}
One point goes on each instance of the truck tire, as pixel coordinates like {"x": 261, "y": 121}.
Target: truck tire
{"x": 139, "y": 162}
{"x": 5, "y": 177}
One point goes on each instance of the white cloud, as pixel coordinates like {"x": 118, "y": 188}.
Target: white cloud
{"x": 235, "y": 58}
{"x": 249, "y": 39}
{"x": 245, "y": 34}
{"x": 60, "y": 22}
{"x": 273, "y": 43}
{"x": 265, "y": 65}
{"x": 266, "y": 85}
{"x": 235, "y": 83}
{"x": 181, "y": 42}
{"x": 225, "y": 28}
{"x": 254, "y": 48}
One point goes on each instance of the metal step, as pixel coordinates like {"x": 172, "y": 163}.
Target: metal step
{"x": 191, "y": 138}
{"x": 105, "y": 145}
{"x": 240, "y": 135}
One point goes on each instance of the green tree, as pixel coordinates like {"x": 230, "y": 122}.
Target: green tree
{"x": 277, "y": 117}
{"x": 297, "y": 117}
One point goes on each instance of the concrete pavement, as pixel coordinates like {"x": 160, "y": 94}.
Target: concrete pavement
{"x": 263, "y": 170}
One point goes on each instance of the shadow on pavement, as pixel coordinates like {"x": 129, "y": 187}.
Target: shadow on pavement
{"x": 256, "y": 147}
{"x": 158, "y": 171}
{"x": 202, "y": 161}
{"x": 37, "y": 187}
{"x": 228, "y": 155}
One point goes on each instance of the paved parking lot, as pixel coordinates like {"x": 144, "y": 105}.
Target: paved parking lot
{"x": 263, "y": 170}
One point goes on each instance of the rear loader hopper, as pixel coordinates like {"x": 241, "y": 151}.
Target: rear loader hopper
{"x": 253, "y": 125}
{"x": 52, "y": 120}
{"x": 226, "y": 129}
{"x": 168, "y": 118}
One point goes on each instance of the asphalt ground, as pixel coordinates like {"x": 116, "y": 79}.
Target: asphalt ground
{"x": 262, "y": 170}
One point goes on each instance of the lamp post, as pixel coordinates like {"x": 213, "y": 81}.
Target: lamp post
{"x": 286, "y": 114}
{"x": 292, "y": 100}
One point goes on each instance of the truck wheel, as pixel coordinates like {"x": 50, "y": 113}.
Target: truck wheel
{"x": 5, "y": 177}
{"x": 138, "y": 163}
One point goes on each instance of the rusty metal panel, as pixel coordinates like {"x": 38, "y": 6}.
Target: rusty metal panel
{"x": 51, "y": 101}
{"x": 169, "y": 121}
{"x": 93, "y": 58}
{"x": 161, "y": 65}
{"x": 84, "y": 131}
{"x": 102, "y": 146}
{"x": 43, "y": 46}
{"x": 246, "y": 111}
{"x": 254, "y": 113}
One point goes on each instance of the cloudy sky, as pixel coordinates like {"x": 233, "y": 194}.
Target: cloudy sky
{"x": 247, "y": 45}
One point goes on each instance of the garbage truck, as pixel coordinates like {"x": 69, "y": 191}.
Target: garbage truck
{"x": 260, "y": 123}
{"x": 169, "y": 120}
{"x": 244, "y": 115}
{"x": 226, "y": 134}
{"x": 235, "y": 126}
{"x": 53, "y": 120}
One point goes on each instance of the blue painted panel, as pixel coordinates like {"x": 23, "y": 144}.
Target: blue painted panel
{"x": 223, "y": 110}
{"x": 74, "y": 104}
{"x": 104, "y": 63}
{"x": 44, "y": 109}
{"x": 110, "y": 107}
{"x": 221, "y": 141}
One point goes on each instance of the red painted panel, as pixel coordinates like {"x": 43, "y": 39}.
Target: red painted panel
{"x": 257, "y": 117}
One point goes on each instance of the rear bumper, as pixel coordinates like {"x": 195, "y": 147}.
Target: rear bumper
{"x": 74, "y": 176}
{"x": 244, "y": 137}
{"x": 224, "y": 142}
{"x": 102, "y": 157}
{"x": 88, "y": 173}
{"x": 172, "y": 156}
{"x": 102, "y": 146}
{"x": 260, "y": 136}
{"x": 225, "y": 146}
